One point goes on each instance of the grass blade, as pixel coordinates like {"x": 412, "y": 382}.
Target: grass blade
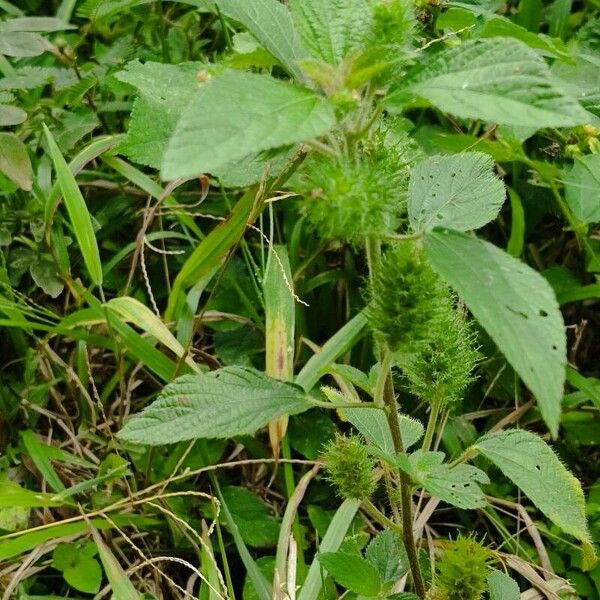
{"x": 77, "y": 210}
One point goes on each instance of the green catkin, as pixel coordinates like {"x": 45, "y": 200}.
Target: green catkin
{"x": 405, "y": 298}
{"x": 350, "y": 467}
{"x": 462, "y": 571}
{"x": 442, "y": 368}
{"x": 350, "y": 198}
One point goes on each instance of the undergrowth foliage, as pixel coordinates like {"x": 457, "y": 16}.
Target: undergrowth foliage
{"x": 298, "y": 299}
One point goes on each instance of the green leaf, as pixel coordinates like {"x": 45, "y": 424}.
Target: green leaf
{"x": 77, "y": 210}
{"x": 165, "y": 90}
{"x": 331, "y": 28}
{"x": 120, "y": 584}
{"x": 342, "y": 341}
{"x": 37, "y": 453}
{"x": 502, "y": 587}
{"x": 534, "y": 467}
{"x": 13, "y": 495}
{"x": 497, "y": 26}
{"x": 499, "y": 80}
{"x": 270, "y": 22}
{"x": 262, "y": 587}
{"x": 514, "y": 304}
{"x": 237, "y": 114}
{"x": 332, "y": 540}
{"x": 14, "y": 544}
{"x": 21, "y": 44}
{"x": 458, "y": 486}
{"x": 79, "y": 569}
{"x": 11, "y": 115}
{"x": 352, "y": 572}
{"x": 40, "y": 24}
{"x": 387, "y": 554}
{"x": 582, "y": 188}
{"x": 14, "y": 160}
{"x": 210, "y": 253}
{"x": 225, "y": 403}
{"x": 256, "y": 526}
{"x": 84, "y": 576}
{"x": 457, "y": 191}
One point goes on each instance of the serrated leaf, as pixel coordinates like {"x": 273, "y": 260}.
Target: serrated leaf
{"x": 352, "y": 572}
{"x": 534, "y": 467}
{"x": 270, "y": 22}
{"x": 458, "y": 486}
{"x": 582, "y": 188}
{"x": 373, "y": 425}
{"x": 458, "y": 191}
{"x": 237, "y": 114}
{"x": 502, "y": 587}
{"x": 500, "y": 80}
{"x": 387, "y": 554}
{"x": 225, "y": 403}
{"x": 164, "y": 90}
{"x": 514, "y": 304}
{"x": 14, "y": 160}
{"x": 331, "y": 28}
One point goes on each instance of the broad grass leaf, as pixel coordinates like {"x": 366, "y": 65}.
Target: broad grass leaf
{"x": 500, "y": 80}
{"x": 133, "y": 311}
{"x": 534, "y": 467}
{"x": 225, "y": 403}
{"x": 331, "y": 28}
{"x": 582, "y": 188}
{"x": 502, "y": 587}
{"x": 237, "y": 114}
{"x": 352, "y": 572}
{"x": 13, "y": 545}
{"x": 514, "y": 304}
{"x": 77, "y": 210}
{"x": 270, "y": 22}
{"x": 457, "y": 191}
{"x": 14, "y": 160}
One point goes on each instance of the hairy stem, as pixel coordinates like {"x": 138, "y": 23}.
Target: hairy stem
{"x": 436, "y": 405}
{"x": 391, "y": 410}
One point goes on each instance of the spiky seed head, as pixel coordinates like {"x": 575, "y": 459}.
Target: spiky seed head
{"x": 350, "y": 467}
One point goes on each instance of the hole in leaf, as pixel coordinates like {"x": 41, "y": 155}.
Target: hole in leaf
{"x": 543, "y": 313}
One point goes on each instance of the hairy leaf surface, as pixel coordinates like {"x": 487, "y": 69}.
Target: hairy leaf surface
{"x": 270, "y": 22}
{"x": 514, "y": 304}
{"x": 502, "y": 587}
{"x": 224, "y": 403}
{"x": 331, "y": 28}
{"x": 500, "y": 80}
{"x": 582, "y": 188}
{"x": 457, "y": 191}
{"x": 534, "y": 467}
{"x": 458, "y": 486}
{"x": 237, "y": 114}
